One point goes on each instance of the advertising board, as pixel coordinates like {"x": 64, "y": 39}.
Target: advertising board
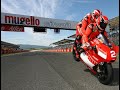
{"x": 32, "y": 21}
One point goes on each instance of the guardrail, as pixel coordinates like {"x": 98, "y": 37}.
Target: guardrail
{"x": 70, "y": 49}
{"x": 59, "y": 50}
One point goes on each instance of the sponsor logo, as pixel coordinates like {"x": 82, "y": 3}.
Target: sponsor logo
{"x": 12, "y": 28}
{"x": 57, "y": 24}
{"x": 22, "y": 20}
{"x": 102, "y": 51}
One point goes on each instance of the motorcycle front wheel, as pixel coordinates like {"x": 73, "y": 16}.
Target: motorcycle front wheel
{"x": 106, "y": 74}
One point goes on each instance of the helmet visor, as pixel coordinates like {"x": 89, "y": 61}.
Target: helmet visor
{"x": 103, "y": 25}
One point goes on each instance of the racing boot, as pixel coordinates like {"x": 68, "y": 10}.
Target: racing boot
{"x": 81, "y": 50}
{"x": 77, "y": 56}
{"x": 75, "y": 53}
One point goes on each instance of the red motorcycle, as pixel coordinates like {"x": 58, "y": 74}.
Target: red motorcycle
{"x": 99, "y": 59}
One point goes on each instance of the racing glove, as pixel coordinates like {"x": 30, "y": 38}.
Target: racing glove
{"x": 86, "y": 46}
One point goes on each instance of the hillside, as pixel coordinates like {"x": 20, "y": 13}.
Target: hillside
{"x": 114, "y": 22}
{"x": 24, "y": 46}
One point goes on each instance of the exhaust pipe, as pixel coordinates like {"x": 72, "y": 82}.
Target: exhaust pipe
{"x": 84, "y": 57}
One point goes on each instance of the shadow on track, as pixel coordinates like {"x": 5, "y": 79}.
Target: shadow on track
{"x": 116, "y": 77}
{"x": 115, "y": 81}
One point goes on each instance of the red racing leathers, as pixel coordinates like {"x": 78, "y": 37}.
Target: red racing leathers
{"x": 91, "y": 33}
{"x": 80, "y": 30}
{"x": 81, "y": 26}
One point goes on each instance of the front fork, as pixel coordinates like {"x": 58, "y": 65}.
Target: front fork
{"x": 98, "y": 68}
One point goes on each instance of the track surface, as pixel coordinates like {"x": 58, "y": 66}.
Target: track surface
{"x": 50, "y": 71}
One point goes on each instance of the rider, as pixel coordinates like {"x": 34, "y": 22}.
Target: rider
{"x": 82, "y": 25}
{"x": 93, "y": 30}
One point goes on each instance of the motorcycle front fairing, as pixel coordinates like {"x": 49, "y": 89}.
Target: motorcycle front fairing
{"x": 106, "y": 53}
{"x": 105, "y": 49}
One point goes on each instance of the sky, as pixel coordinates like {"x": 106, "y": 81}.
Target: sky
{"x": 73, "y": 10}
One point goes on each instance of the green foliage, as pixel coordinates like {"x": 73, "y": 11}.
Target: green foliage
{"x": 114, "y": 22}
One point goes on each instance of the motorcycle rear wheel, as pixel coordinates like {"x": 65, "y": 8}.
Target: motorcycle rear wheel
{"x": 74, "y": 55}
{"x": 106, "y": 76}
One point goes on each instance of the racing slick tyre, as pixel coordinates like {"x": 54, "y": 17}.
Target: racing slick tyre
{"x": 74, "y": 55}
{"x": 106, "y": 76}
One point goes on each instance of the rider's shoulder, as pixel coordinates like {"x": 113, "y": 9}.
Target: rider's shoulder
{"x": 87, "y": 16}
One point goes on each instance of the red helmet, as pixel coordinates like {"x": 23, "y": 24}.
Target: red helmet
{"x": 102, "y": 22}
{"x": 96, "y": 13}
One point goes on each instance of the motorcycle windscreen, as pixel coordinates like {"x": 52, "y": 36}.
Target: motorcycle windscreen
{"x": 104, "y": 40}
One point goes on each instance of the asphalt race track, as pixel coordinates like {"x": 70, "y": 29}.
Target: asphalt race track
{"x": 50, "y": 71}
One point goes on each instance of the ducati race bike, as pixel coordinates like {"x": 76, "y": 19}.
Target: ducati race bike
{"x": 99, "y": 59}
